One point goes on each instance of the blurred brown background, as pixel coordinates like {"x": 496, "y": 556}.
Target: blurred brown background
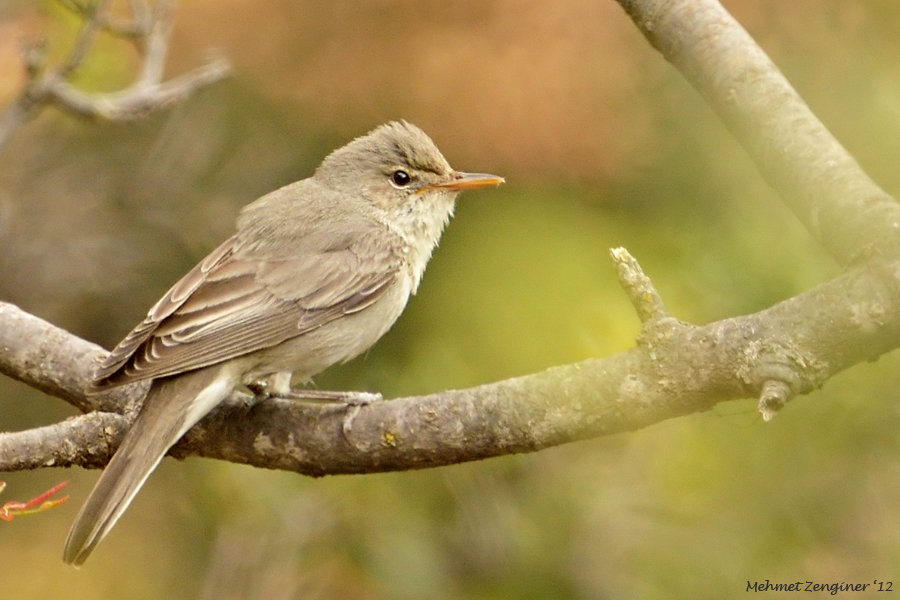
{"x": 602, "y": 144}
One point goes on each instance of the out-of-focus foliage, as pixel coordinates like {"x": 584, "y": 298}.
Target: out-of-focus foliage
{"x": 603, "y": 145}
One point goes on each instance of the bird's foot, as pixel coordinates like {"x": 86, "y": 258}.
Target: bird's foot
{"x": 347, "y": 398}
{"x": 351, "y": 401}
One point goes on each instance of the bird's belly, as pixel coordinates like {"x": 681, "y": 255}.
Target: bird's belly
{"x": 335, "y": 342}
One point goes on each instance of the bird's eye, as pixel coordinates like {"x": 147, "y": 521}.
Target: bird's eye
{"x": 400, "y": 178}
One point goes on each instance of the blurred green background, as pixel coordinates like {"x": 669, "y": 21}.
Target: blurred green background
{"x": 602, "y": 145}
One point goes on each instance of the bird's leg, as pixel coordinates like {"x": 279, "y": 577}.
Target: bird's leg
{"x": 260, "y": 390}
{"x": 273, "y": 386}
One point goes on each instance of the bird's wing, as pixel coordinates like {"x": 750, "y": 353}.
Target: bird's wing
{"x": 230, "y": 305}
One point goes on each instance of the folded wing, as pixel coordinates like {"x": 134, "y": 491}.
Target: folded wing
{"x": 233, "y": 303}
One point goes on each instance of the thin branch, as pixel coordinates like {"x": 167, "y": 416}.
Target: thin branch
{"x": 136, "y": 101}
{"x": 93, "y": 14}
{"x": 149, "y": 93}
{"x": 643, "y": 295}
{"x": 135, "y": 28}
{"x": 158, "y": 44}
{"x": 13, "y": 117}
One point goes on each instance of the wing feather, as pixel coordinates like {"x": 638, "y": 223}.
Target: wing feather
{"x": 232, "y": 304}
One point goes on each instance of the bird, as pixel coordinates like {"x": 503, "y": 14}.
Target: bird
{"x": 316, "y": 272}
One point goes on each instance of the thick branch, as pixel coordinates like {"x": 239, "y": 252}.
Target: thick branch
{"x": 84, "y": 440}
{"x": 53, "y": 361}
{"x": 678, "y": 370}
{"x": 820, "y": 181}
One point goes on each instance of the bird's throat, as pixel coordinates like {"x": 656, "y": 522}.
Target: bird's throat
{"x": 421, "y": 224}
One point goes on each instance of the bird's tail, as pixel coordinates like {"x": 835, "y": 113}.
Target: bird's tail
{"x": 172, "y": 406}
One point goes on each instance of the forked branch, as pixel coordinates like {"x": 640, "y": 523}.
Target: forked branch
{"x": 150, "y": 29}
{"x": 676, "y": 368}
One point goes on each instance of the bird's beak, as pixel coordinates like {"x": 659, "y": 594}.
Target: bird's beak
{"x": 458, "y": 182}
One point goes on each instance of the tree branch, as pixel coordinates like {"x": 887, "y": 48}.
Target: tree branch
{"x": 676, "y": 369}
{"x": 54, "y": 361}
{"x": 151, "y": 30}
{"x": 86, "y": 440}
{"x": 819, "y": 180}
{"x": 133, "y": 102}
{"x": 137, "y": 28}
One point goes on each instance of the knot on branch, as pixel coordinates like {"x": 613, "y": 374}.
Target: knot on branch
{"x": 779, "y": 373}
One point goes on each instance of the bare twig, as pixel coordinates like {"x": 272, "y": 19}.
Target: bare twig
{"x": 135, "y": 101}
{"x": 643, "y": 295}
{"x": 157, "y": 44}
{"x": 135, "y": 28}
{"x": 150, "y": 30}
{"x": 93, "y": 14}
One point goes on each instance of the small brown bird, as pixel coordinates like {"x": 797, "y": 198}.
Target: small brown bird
{"x": 317, "y": 272}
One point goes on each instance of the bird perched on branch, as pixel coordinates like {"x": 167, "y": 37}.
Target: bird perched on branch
{"x": 317, "y": 272}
